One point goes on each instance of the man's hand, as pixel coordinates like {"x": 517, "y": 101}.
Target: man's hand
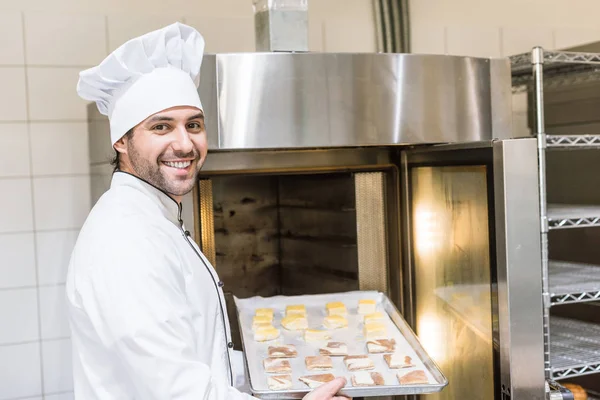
{"x": 328, "y": 391}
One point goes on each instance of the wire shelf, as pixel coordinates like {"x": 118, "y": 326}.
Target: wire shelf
{"x": 564, "y": 216}
{"x": 573, "y": 141}
{"x": 573, "y": 282}
{"x": 574, "y": 348}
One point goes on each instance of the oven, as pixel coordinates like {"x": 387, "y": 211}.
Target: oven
{"x": 330, "y": 173}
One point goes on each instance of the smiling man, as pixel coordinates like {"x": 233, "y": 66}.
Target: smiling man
{"x": 146, "y": 308}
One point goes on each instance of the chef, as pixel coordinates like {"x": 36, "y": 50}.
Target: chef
{"x": 146, "y": 308}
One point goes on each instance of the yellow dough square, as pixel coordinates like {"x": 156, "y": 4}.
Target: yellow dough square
{"x": 297, "y": 309}
{"x": 366, "y": 306}
{"x": 260, "y": 320}
{"x": 294, "y": 322}
{"x": 263, "y": 334}
{"x": 335, "y": 322}
{"x": 336, "y": 308}
{"x": 377, "y": 316}
{"x": 267, "y": 312}
{"x": 375, "y": 330}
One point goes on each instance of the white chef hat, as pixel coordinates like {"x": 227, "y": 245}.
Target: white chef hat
{"x": 148, "y": 74}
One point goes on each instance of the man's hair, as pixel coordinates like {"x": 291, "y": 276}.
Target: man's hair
{"x": 116, "y": 160}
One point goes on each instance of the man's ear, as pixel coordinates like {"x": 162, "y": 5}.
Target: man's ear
{"x": 121, "y": 145}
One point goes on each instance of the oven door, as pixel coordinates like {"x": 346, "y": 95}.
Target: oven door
{"x": 473, "y": 276}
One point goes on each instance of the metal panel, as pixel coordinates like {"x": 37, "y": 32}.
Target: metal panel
{"x": 519, "y": 268}
{"x": 327, "y": 100}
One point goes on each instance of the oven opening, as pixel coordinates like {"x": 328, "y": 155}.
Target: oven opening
{"x": 293, "y": 234}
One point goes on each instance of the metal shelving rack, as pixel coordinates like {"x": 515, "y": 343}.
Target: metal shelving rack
{"x": 572, "y": 348}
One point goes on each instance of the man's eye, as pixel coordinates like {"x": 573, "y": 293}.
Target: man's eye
{"x": 194, "y": 125}
{"x": 160, "y": 127}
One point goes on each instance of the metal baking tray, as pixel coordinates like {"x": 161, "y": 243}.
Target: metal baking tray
{"x": 406, "y": 342}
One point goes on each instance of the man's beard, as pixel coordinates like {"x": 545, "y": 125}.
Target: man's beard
{"x": 151, "y": 171}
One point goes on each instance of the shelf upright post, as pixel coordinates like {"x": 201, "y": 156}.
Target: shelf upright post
{"x": 537, "y": 61}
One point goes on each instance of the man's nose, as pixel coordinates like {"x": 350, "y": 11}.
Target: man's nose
{"x": 182, "y": 141}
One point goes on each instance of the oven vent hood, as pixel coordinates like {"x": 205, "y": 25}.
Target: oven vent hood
{"x": 276, "y": 100}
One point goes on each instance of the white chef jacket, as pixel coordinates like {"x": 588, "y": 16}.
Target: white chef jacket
{"x": 146, "y": 308}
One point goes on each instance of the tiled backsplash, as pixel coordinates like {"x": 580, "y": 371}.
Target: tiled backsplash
{"x": 45, "y": 185}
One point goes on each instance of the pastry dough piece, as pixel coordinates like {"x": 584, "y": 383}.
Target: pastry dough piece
{"x": 413, "y": 378}
{"x": 277, "y": 365}
{"x": 261, "y": 325}
{"x": 381, "y": 346}
{"x": 377, "y": 316}
{"x": 314, "y": 381}
{"x": 315, "y": 335}
{"x": 364, "y": 378}
{"x": 265, "y": 312}
{"x": 294, "y": 322}
{"x": 335, "y": 322}
{"x": 296, "y": 309}
{"x": 283, "y": 351}
{"x": 279, "y": 382}
{"x": 318, "y": 363}
{"x": 261, "y": 320}
{"x": 334, "y": 349}
{"x": 336, "y": 308}
{"x": 375, "y": 330}
{"x": 366, "y": 306}
{"x": 358, "y": 363}
{"x": 265, "y": 333}
{"x": 398, "y": 360}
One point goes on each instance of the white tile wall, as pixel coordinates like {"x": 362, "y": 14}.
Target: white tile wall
{"x": 61, "y": 202}
{"x": 17, "y": 268}
{"x": 13, "y": 106}
{"x": 11, "y": 38}
{"x": 45, "y": 85}
{"x": 23, "y": 328}
{"x": 53, "y": 255}
{"x": 20, "y": 371}
{"x": 45, "y": 135}
{"x": 212, "y": 29}
{"x": 474, "y": 41}
{"x": 61, "y": 396}
{"x": 69, "y": 144}
{"x": 15, "y": 198}
{"x": 53, "y": 312}
{"x": 14, "y": 151}
{"x": 516, "y": 40}
{"x": 57, "y": 365}
{"x": 123, "y": 27}
{"x": 64, "y": 39}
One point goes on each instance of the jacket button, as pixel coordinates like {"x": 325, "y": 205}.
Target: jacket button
{"x": 220, "y": 283}
{"x": 187, "y": 233}
{"x": 230, "y": 345}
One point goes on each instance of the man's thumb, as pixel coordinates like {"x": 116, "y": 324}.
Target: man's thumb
{"x": 327, "y": 390}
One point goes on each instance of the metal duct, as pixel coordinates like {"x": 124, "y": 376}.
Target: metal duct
{"x": 281, "y": 25}
{"x": 393, "y": 26}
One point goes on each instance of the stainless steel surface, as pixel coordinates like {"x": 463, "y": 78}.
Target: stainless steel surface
{"x": 518, "y": 307}
{"x": 388, "y": 390}
{"x": 537, "y": 61}
{"x": 274, "y": 101}
{"x": 563, "y": 216}
{"x": 519, "y": 268}
{"x": 574, "y": 282}
{"x": 575, "y": 348}
{"x": 206, "y": 222}
{"x": 371, "y": 232}
{"x": 501, "y": 99}
{"x": 281, "y": 25}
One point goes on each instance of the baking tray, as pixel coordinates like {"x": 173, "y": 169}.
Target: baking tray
{"x": 406, "y": 343}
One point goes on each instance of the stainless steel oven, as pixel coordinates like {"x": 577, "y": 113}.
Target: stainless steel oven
{"x": 335, "y": 172}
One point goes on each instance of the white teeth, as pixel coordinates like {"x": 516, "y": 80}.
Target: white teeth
{"x": 183, "y": 164}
